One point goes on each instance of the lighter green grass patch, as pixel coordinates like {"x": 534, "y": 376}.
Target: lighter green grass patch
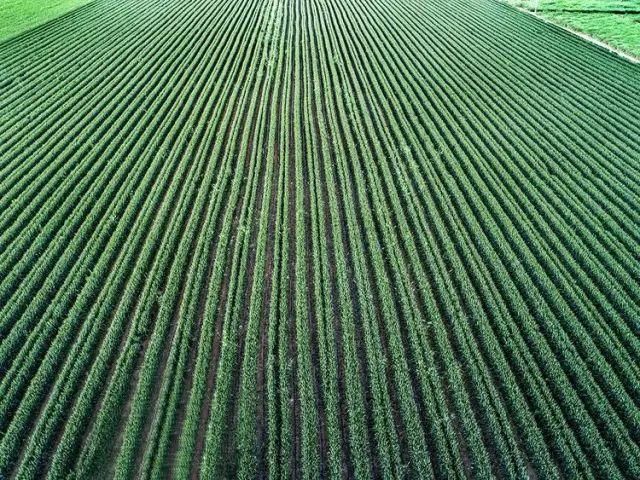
{"x": 620, "y": 31}
{"x": 17, "y": 16}
{"x": 615, "y": 22}
{"x": 599, "y": 5}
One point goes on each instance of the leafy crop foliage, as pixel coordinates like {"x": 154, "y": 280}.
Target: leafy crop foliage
{"x": 311, "y": 238}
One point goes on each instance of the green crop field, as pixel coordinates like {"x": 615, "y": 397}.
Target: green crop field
{"x": 317, "y": 239}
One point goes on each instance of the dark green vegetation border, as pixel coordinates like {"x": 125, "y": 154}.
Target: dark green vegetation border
{"x": 317, "y": 238}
